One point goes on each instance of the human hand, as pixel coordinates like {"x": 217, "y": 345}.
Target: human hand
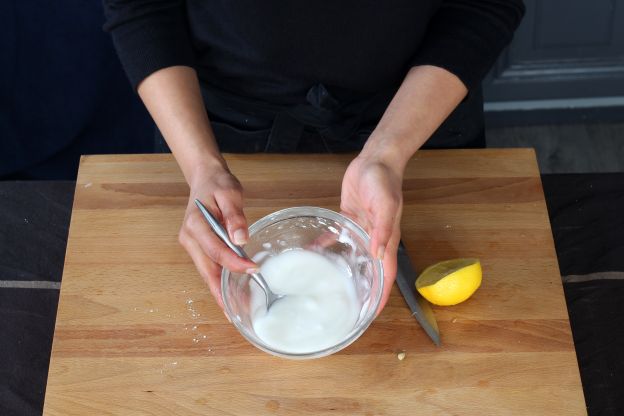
{"x": 222, "y": 194}
{"x": 372, "y": 196}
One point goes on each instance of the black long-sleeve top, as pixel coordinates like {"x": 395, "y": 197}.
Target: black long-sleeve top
{"x": 274, "y": 50}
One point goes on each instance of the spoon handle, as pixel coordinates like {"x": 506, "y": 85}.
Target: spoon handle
{"x": 219, "y": 230}
{"x": 222, "y": 234}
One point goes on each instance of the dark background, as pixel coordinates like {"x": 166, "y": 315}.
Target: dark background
{"x": 566, "y": 64}
{"x": 62, "y": 90}
{"x": 559, "y": 88}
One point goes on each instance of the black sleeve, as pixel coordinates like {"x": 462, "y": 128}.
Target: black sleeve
{"x": 149, "y": 35}
{"x": 466, "y": 36}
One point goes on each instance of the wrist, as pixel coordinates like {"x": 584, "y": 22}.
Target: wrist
{"x": 388, "y": 150}
{"x": 204, "y": 165}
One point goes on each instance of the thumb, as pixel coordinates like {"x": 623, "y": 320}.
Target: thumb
{"x": 231, "y": 207}
{"x": 382, "y": 226}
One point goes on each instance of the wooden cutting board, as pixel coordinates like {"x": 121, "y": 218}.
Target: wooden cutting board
{"x": 137, "y": 332}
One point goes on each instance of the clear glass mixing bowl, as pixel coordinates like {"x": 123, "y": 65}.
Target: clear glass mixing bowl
{"x": 318, "y": 229}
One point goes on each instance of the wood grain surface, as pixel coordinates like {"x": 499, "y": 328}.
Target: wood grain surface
{"x": 137, "y": 332}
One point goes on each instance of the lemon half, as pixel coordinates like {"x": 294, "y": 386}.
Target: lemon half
{"x": 450, "y": 282}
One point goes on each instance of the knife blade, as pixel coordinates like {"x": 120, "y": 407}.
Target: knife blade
{"x": 421, "y": 310}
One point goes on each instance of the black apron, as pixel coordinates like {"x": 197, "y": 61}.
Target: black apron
{"x": 324, "y": 124}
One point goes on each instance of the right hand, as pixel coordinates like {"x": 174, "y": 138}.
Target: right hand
{"x": 222, "y": 194}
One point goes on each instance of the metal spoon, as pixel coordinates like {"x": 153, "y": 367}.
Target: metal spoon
{"x": 271, "y": 297}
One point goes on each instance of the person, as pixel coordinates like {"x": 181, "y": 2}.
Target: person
{"x": 383, "y": 78}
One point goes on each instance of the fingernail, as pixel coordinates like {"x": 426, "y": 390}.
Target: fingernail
{"x": 240, "y": 236}
{"x": 252, "y": 270}
{"x": 380, "y": 252}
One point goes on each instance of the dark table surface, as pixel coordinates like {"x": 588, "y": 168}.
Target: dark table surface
{"x": 586, "y": 213}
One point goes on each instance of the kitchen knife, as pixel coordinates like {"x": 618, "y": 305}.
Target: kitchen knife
{"x": 421, "y": 310}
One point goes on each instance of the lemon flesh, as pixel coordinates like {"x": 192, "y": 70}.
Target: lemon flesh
{"x": 450, "y": 282}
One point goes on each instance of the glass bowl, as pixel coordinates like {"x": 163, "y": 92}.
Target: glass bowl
{"x": 323, "y": 231}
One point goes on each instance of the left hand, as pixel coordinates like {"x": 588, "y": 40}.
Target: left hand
{"x": 372, "y": 186}
{"x": 372, "y": 196}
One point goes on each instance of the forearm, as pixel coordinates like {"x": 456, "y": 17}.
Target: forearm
{"x": 173, "y": 98}
{"x": 425, "y": 99}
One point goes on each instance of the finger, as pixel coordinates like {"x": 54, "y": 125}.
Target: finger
{"x": 383, "y": 222}
{"x": 208, "y": 270}
{"x": 197, "y": 228}
{"x": 360, "y": 217}
{"x": 328, "y": 238}
{"x": 390, "y": 266}
{"x": 323, "y": 241}
{"x": 231, "y": 206}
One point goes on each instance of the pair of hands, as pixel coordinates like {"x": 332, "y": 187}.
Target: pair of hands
{"x": 371, "y": 195}
{"x": 371, "y": 187}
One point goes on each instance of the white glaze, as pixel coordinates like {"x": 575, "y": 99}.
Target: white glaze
{"x": 320, "y": 307}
